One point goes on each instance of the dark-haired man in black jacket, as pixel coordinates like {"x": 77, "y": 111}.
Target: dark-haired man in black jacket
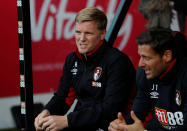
{"x": 161, "y": 82}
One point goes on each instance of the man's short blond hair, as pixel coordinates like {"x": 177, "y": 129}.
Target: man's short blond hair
{"x": 92, "y": 14}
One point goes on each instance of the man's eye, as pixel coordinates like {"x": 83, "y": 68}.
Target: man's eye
{"x": 147, "y": 58}
{"x": 89, "y": 33}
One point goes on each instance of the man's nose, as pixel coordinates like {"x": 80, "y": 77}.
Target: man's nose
{"x": 83, "y": 37}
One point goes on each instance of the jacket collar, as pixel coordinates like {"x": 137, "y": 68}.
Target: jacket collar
{"x": 169, "y": 68}
{"x": 169, "y": 73}
{"x": 93, "y": 53}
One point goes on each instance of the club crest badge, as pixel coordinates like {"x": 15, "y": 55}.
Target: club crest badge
{"x": 97, "y": 73}
{"x": 178, "y": 98}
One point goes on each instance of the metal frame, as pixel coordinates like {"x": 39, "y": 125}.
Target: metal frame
{"x": 117, "y": 21}
{"x": 25, "y": 60}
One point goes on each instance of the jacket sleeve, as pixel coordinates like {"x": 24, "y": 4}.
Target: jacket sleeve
{"x": 120, "y": 76}
{"x": 141, "y": 105}
{"x": 184, "y": 99}
{"x": 64, "y": 97}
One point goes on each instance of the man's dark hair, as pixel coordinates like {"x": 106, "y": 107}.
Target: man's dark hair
{"x": 160, "y": 40}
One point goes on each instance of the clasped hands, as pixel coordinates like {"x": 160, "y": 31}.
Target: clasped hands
{"x": 120, "y": 124}
{"x": 46, "y": 122}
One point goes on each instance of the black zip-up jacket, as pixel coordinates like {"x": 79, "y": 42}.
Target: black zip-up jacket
{"x": 101, "y": 81}
{"x": 166, "y": 96}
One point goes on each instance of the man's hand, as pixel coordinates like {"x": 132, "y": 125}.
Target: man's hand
{"x": 120, "y": 124}
{"x": 136, "y": 126}
{"x": 39, "y": 119}
{"x": 114, "y": 125}
{"x": 54, "y": 123}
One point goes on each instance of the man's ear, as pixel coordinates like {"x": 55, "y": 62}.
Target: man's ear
{"x": 167, "y": 56}
{"x": 103, "y": 33}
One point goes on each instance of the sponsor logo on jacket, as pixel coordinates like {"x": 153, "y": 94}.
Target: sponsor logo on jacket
{"x": 96, "y": 84}
{"x": 169, "y": 120}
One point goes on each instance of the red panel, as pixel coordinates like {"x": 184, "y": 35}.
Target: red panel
{"x": 9, "y": 68}
{"x": 52, "y": 39}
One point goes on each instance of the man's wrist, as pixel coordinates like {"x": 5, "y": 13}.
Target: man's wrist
{"x": 66, "y": 121}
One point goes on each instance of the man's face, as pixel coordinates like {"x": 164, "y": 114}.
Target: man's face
{"x": 151, "y": 62}
{"x": 88, "y": 36}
